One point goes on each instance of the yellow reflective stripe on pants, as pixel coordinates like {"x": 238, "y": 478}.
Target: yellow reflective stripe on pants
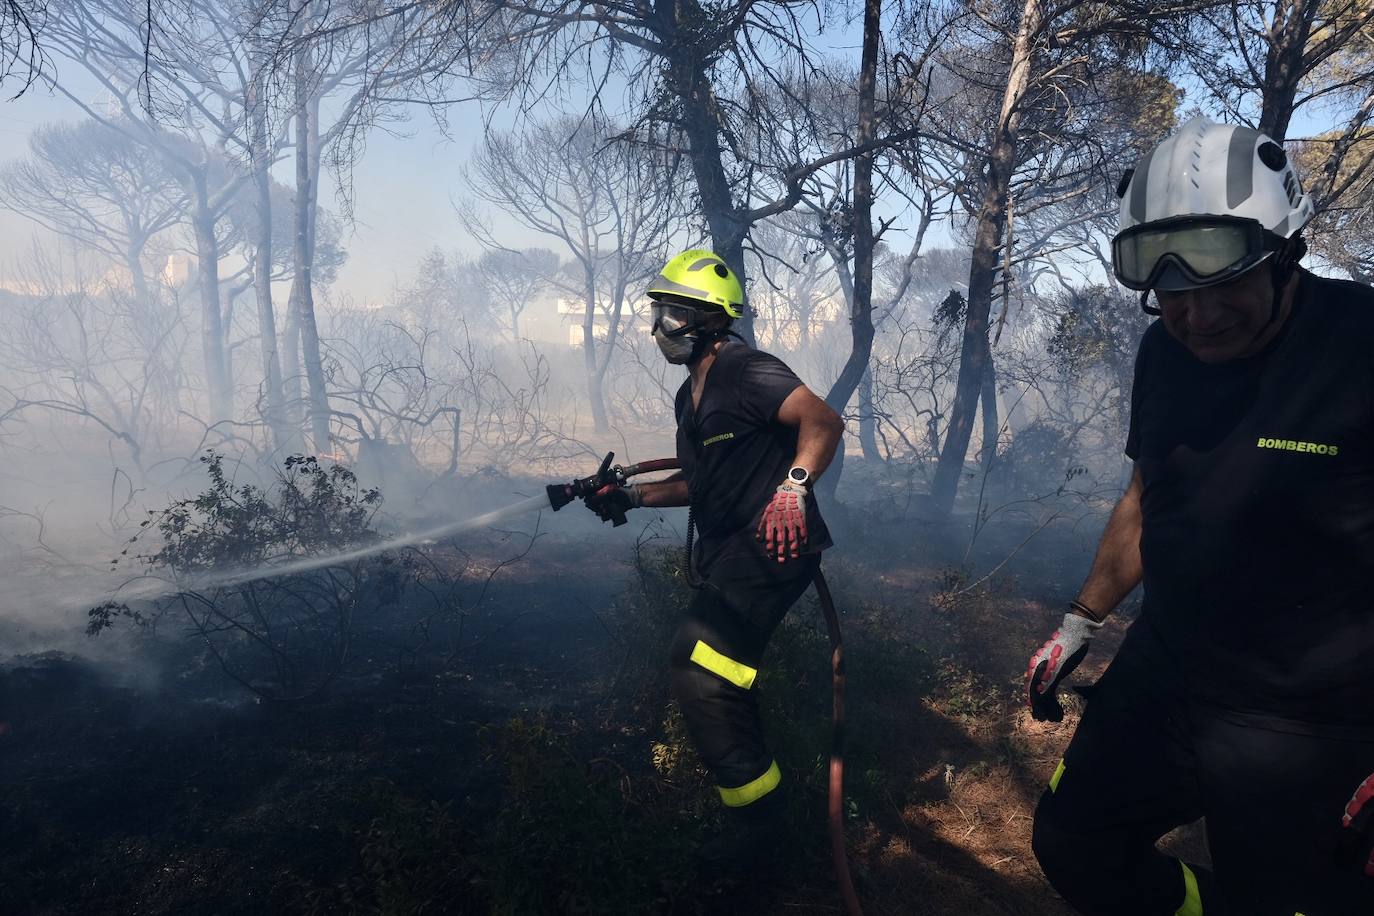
{"x": 1058, "y": 775}
{"x": 1192, "y": 898}
{"x": 752, "y": 791}
{"x": 739, "y": 674}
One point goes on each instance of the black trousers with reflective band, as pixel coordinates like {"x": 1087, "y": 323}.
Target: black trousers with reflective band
{"x": 1145, "y": 760}
{"x": 715, "y": 659}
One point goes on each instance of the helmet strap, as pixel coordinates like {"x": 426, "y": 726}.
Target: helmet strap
{"x": 700, "y": 343}
{"x": 1280, "y": 280}
{"x": 703, "y": 341}
{"x": 1146, "y": 307}
{"x": 706, "y": 339}
{"x": 1285, "y": 265}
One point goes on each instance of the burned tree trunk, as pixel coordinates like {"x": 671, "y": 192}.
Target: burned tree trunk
{"x": 868, "y": 421}
{"x": 701, "y": 123}
{"x": 861, "y": 303}
{"x": 612, "y": 336}
{"x": 138, "y": 278}
{"x": 212, "y": 327}
{"x": 1284, "y": 66}
{"x": 856, "y": 367}
{"x": 991, "y": 420}
{"x": 303, "y": 251}
{"x": 975, "y": 356}
{"x": 589, "y": 361}
{"x": 262, "y": 276}
{"x": 291, "y": 365}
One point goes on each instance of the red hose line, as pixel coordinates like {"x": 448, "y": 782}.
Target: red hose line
{"x": 835, "y": 806}
{"x": 648, "y": 467}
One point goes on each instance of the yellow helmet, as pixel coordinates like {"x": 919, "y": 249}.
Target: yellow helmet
{"x": 701, "y": 275}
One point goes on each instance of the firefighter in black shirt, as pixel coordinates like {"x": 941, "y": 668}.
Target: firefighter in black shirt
{"x": 751, "y": 439}
{"x": 1245, "y": 691}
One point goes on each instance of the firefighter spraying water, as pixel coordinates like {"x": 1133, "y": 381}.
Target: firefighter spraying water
{"x": 751, "y": 440}
{"x": 609, "y": 477}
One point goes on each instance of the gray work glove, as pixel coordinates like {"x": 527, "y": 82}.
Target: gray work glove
{"x": 1053, "y": 662}
{"x": 611, "y": 502}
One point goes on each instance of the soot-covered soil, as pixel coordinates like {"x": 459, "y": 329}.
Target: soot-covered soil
{"x": 544, "y": 770}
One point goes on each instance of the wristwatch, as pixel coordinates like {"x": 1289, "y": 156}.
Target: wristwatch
{"x": 800, "y": 476}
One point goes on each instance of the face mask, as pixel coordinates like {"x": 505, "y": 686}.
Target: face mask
{"x": 673, "y": 325}
{"x": 676, "y": 350}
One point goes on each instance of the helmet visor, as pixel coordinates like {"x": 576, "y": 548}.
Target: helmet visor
{"x": 672, "y": 319}
{"x": 1203, "y": 250}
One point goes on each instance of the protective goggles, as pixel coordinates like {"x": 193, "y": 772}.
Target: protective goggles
{"x": 674, "y": 320}
{"x": 1187, "y": 252}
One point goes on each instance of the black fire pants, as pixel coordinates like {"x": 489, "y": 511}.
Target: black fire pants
{"x": 715, "y": 659}
{"x": 1146, "y": 759}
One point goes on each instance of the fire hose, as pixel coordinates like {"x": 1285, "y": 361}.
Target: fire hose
{"x": 615, "y": 475}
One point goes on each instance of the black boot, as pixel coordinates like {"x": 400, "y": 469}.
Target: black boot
{"x": 751, "y": 841}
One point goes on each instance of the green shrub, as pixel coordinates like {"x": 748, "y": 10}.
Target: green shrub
{"x": 340, "y": 605}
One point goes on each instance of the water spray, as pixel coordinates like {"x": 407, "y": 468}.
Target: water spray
{"x": 309, "y": 564}
{"x": 150, "y": 587}
{"x": 555, "y": 497}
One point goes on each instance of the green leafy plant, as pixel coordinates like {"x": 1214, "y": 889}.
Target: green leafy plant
{"x": 336, "y": 604}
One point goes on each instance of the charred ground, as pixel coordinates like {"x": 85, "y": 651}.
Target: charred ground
{"x": 544, "y": 770}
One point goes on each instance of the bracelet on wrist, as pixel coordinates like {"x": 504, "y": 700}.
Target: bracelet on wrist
{"x": 1082, "y": 610}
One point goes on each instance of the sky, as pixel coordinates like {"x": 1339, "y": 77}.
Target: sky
{"x": 404, "y": 187}
{"x": 406, "y": 184}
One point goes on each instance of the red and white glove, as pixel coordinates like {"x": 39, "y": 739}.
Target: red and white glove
{"x": 1053, "y": 662}
{"x": 782, "y": 528}
{"x": 1359, "y": 820}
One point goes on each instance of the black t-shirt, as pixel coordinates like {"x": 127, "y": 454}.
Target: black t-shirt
{"x": 1258, "y": 510}
{"x": 734, "y": 453}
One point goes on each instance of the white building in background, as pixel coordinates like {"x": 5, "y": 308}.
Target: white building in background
{"x": 573, "y": 311}
{"x": 558, "y": 321}
{"x": 178, "y": 270}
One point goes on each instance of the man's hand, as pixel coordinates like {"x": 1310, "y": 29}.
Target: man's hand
{"x": 612, "y": 502}
{"x": 1060, "y": 654}
{"x": 782, "y": 528}
{"x": 1359, "y": 824}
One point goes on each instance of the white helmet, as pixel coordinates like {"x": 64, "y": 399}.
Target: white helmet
{"x": 1210, "y": 202}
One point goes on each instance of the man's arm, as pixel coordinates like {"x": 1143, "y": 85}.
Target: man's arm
{"x": 1117, "y": 569}
{"x": 782, "y": 526}
{"x": 818, "y": 429}
{"x": 666, "y": 493}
